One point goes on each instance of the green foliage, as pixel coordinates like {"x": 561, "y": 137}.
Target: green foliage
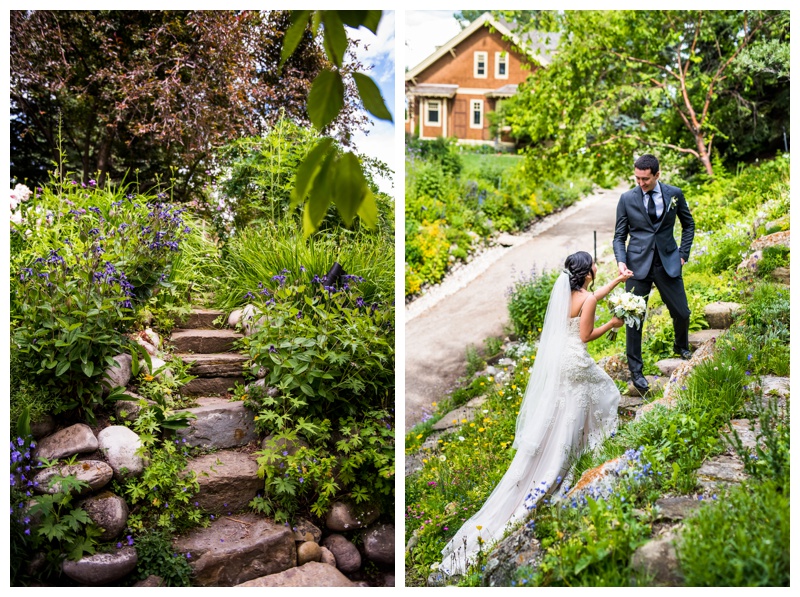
{"x": 772, "y": 258}
{"x": 77, "y": 279}
{"x": 527, "y": 302}
{"x": 742, "y": 539}
{"x": 356, "y": 464}
{"x": 26, "y": 395}
{"x": 769, "y": 459}
{"x": 474, "y": 361}
{"x": 155, "y": 556}
{"x": 328, "y": 352}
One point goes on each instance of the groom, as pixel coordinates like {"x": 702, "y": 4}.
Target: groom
{"x": 647, "y": 215}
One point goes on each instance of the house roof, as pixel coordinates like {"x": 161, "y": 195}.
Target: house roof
{"x": 504, "y": 91}
{"x": 430, "y": 90}
{"x": 538, "y": 45}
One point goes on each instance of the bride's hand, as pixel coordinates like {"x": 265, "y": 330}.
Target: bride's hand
{"x": 616, "y": 322}
{"x": 623, "y": 277}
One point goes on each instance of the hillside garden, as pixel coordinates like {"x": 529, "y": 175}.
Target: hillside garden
{"x": 736, "y": 533}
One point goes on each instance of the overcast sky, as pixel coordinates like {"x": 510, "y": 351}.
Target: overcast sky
{"x": 379, "y": 142}
{"x": 425, "y": 31}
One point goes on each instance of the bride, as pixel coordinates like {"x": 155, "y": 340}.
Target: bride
{"x": 570, "y": 403}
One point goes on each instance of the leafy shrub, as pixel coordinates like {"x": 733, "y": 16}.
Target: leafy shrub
{"x": 772, "y": 258}
{"x": 527, "y": 302}
{"x": 155, "y": 556}
{"x": 742, "y": 539}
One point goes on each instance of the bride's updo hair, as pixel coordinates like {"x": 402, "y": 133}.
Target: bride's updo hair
{"x": 578, "y": 266}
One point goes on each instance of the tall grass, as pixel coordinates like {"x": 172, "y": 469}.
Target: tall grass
{"x": 260, "y": 252}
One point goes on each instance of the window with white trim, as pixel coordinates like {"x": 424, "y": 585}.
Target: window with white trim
{"x": 476, "y": 117}
{"x": 481, "y": 59}
{"x": 501, "y": 65}
{"x": 433, "y": 110}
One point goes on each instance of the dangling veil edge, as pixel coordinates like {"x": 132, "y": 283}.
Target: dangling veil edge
{"x": 538, "y": 404}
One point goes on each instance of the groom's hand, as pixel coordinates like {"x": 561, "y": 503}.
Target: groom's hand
{"x": 623, "y": 269}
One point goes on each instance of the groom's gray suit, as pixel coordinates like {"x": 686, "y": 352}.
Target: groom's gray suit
{"x": 655, "y": 258}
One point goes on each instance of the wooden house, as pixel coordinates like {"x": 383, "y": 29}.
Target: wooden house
{"x": 450, "y": 93}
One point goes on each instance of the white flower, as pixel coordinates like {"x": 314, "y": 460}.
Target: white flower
{"x": 674, "y": 203}
{"x": 16, "y": 217}
{"x": 22, "y": 192}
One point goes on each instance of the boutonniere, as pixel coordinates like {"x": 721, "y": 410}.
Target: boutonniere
{"x": 674, "y": 203}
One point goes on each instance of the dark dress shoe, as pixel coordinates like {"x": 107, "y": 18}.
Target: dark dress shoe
{"x": 640, "y": 383}
{"x": 684, "y": 354}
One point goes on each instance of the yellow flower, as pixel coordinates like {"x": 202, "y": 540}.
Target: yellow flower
{"x": 419, "y": 436}
{"x": 149, "y": 378}
{"x": 463, "y": 420}
{"x": 479, "y": 527}
{"x": 472, "y": 424}
{"x": 513, "y": 386}
{"x": 481, "y": 429}
{"x": 491, "y": 378}
{"x": 433, "y": 404}
{"x": 500, "y": 392}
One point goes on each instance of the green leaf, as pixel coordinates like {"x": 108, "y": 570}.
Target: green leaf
{"x": 371, "y": 97}
{"x": 335, "y": 39}
{"x": 356, "y": 18}
{"x": 306, "y": 389}
{"x": 88, "y": 368}
{"x": 294, "y": 34}
{"x": 326, "y": 99}
{"x": 62, "y": 368}
{"x": 368, "y": 210}
{"x": 350, "y": 187}
{"x": 320, "y": 196}
{"x": 308, "y": 169}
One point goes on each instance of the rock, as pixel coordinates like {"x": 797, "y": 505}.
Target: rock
{"x": 211, "y": 386}
{"x": 148, "y": 342}
{"x": 158, "y": 369}
{"x": 119, "y": 445}
{"x": 252, "y": 319}
{"x": 312, "y": 574}
{"x": 43, "y": 427}
{"x": 228, "y": 481}
{"x": 720, "y": 315}
{"x": 668, "y": 366}
{"x": 600, "y": 481}
{"x": 741, "y": 427}
{"x": 128, "y": 410}
{"x": 109, "y": 512}
{"x": 772, "y": 385}
{"x": 94, "y": 472}
{"x": 226, "y": 364}
{"x": 388, "y": 579}
{"x": 770, "y": 240}
{"x": 720, "y": 471}
{"x": 676, "y": 508}
{"x": 616, "y": 367}
{"x": 204, "y": 341}
{"x": 236, "y": 549}
{"x": 326, "y": 557}
{"x": 348, "y": 559}
{"x": 308, "y": 551}
{"x": 347, "y": 517}
{"x": 201, "y": 318}
{"x": 234, "y": 318}
{"x": 102, "y": 568}
{"x": 509, "y": 240}
{"x": 456, "y": 417}
{"x": 150, "y": 581}
{"x": 379, "y": 544}
{"x": 306, "y": 531}
{"x": 659, "y": 559}
{"x": 219, "y": 424}
{"x": 77, "y": 439}
{"x": 119, "y": 375}
{"x": 261, "y": 385}
{"x": 781, "y": 275}
{"x": 750, "y": 263}
{"x": 521, "y": 548}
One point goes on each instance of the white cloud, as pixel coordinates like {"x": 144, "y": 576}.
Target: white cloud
{"x": 425, "y": 31}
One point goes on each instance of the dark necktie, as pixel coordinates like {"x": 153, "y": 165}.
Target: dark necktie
{"x": 651, "y": 207}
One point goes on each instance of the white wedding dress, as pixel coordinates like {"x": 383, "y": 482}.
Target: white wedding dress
{"x": 569, "y": 403}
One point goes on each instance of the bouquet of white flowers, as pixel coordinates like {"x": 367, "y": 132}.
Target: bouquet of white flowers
{"x": 628, "y": 307}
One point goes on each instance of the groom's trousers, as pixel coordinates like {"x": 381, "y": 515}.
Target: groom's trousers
{"x": 674, "y": 296}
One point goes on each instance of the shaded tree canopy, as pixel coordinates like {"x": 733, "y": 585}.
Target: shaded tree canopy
{"x": 136, "y": 93}
{"x": 682, "y": 83}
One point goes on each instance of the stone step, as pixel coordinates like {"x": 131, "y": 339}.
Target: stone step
{"x": 720, "y": 315}
{"x": 228, "y": 481}
{"x": 696, "y": 339}
{"x": 235, "y": 549}
{"x": 219, "y": 424}
{"x": 203, "y": 341}
{"x": 311, "y": 574}
{"x": 201, "y": 318}
{"x": 667, "y": 366}
{"x": 217, "y": 364}
{"x": 211, "y": 386}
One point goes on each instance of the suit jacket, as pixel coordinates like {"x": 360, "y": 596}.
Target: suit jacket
{"x": 646, "y": 238}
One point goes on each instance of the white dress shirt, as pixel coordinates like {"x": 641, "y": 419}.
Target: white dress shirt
{"x": 658, "y": 198}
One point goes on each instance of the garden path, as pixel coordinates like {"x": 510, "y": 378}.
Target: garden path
{"x": 470, "y": 306}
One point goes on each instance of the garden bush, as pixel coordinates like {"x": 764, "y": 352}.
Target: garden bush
{"x": 527, "y": 301}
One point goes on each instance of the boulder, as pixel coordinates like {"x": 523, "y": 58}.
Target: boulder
{"x": 770, "y": 240}
{"x": 76, "y": 439}
{"x": 150, "y": 581}
{"x": 676, "y": 508}
{"x": 119, "y": 374}
{"x": 119, "y": 445}
{"x": 348, "y": 558}
{"x": 128, "y": 410}
{"x": 659, "y": 559}
{"x": 236, "y": 549}
{"x": 668, "y": 366}
{"x": 102, "y": 568}
{"x": 781, "y": 275}
{"x": 95, "y": 473}
{"x": 751, "y": 263}
{"x": 720, "y": 471}
{"x": 379, "y": 544}
{"x": 308, "y": 551}
{"x": 234, "y": 318}
{"x": 311, "y": 574}
{"x": 348, "y": 517}
{"x": 326, "y": 557}
{"x": 109, "y": 512}
{"x": 616, "y": 367}
{"x": 306, "y": 531}
{"x": 43, "y": 427}
{"x": 520, "y": 548}
{"x": 220, "y": 424}
{"x": 158, "y": 368}
{"x": 456, "y": 417}
{"x": 720, "y": 315}
{"x": 228, "y": 481}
